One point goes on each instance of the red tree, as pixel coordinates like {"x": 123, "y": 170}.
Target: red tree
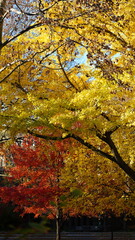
{"x": 34, "y": 178}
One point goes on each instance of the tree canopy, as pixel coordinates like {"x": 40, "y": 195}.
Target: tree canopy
{"x": 33, "y": 176}
{"x": 67, "y": 71}
{"x": 32, "y": 180}
{"x": 101, "y": 187}
{"x": 57, "y": 179}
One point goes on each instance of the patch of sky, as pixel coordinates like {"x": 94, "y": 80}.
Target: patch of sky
{"x": 81, "y": 59}
{"x": 115, "y": 56}
{"x": 90, "y": 79}
{"x": 19, "y": 19}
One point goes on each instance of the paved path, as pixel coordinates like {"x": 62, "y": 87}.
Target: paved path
{"x": 73, "y": 236}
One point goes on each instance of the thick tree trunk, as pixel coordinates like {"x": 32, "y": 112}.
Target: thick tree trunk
{"x": 117, "y": 158}
{"x": 58, "y": 224}
{"x": 124, "y": 166}
{"x": 58, "y": 235}
{"x": 2, "y": 11}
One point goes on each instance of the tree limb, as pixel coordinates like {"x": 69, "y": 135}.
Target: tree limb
{"x": 77, "y": 138}
{"x": 65, "y": 74}
{"x": 20, "y": 33}
{"x": 2, "y": 11}
{"x": 22, "y": 62}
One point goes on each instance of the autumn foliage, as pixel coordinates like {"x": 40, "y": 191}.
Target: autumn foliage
{"x": 34, "y": 177}
{"x": 76, "y": 66}
{"x": 67, "y": 73}
{"x": 56, "y": 178}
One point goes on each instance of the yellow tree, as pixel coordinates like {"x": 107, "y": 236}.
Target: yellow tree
{"x": 70, "y": 69}
{"x": 101, "y": 188}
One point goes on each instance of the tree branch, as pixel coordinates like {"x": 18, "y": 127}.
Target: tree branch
{"x": 2, "y": 11}
{"x": 65, "y": 74}
{"x": 94, "y": 149}
{"x": 77, "y": 138}
{"x": 118, "y": 159}
{"x": 22, "y": 62}
{"x": 120, "y": 39}
{"x": 48, "y": 137}
{"x": 36, "y": 13}
{"x": 20, "y": 33}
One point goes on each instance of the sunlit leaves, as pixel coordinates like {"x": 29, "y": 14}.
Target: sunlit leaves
{"x": 33, "y": 181}
{"x": 73, "y": 73}
{"x": 103, "y": 187}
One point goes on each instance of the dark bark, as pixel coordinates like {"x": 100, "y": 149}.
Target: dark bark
{"x": 118, "y": 159}
{"x": 115, "y": 157}
{"x": 94, "y": 149}
{"x": 58, "y": 223}
{"x": 19, "y": 34}
{"x": 2, "y": 11}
